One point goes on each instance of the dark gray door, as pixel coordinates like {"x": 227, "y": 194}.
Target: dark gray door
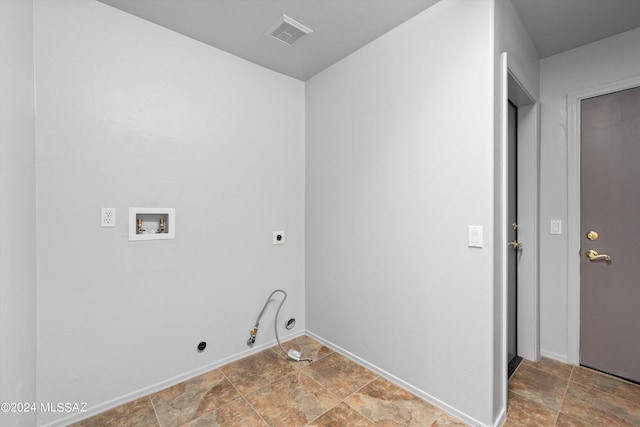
{"x": 610, "y": 228}
{"x": 512, "y": 232}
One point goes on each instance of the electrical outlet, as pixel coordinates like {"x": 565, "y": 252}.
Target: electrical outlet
{"x": 108, "y": 217}
{"x": 278, "y": 237}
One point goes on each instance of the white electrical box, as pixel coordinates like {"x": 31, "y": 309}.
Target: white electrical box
{"x": 475, "y": 236}
{"x": 556, "y": 226}
{"x": 152, "y": 223}
{"x": 278, "y": 237}
{"x": 108, "y": 217}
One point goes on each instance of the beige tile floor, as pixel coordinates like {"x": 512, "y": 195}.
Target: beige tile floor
{"x": 267, "y": 390}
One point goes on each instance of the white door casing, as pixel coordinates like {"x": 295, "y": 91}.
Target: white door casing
{"x": 528, "y": 311}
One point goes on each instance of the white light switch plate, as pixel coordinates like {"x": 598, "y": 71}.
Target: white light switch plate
{"x": 475, "y": 236}
{"x": 556, "y": 226}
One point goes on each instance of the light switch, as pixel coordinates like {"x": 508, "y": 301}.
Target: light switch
{"x": 475, "y": 236}
{"x": 556, "y": 226}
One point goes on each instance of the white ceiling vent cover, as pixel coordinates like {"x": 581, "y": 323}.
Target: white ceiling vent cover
{"x": 287, "y": 30}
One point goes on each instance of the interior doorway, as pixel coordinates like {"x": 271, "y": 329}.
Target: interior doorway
{"x": 515, "y": 247}
{"x": 514, "y": 89}
{"x": 574, "y": 222}
{"x": 519, "y": 225}
{"x": 609, "y": 208}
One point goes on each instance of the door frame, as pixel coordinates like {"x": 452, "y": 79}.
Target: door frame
{"x": 528, "y": 137}
{"x": 573, "y": 206}
{"x": 528, "y": 310}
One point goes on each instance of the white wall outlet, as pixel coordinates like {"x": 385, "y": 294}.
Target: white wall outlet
{"x": 108, "y": 217}
{"x": 556, "y": 226}
{"x": 278, "y": 237}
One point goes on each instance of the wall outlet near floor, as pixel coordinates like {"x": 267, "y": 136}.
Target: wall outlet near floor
{"x": 108, "y": 217}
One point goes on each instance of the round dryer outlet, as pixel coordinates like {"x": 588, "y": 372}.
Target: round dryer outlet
{"x": 289, "y": 324}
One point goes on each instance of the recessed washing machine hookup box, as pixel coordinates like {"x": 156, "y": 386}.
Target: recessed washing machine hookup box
{"x": 152, "y": 223}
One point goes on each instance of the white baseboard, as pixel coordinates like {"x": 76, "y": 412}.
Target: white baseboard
{"x": 559, "y": 357}
{"x": 97, "y": 409}
{"x": 408, "y": 387}
{"x": 146, "y": 391}
{"x": 502, "y": 418}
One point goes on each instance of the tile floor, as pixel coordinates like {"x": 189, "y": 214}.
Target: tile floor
{"x": 550, "y": 393}
{"x": 267, "y": 390}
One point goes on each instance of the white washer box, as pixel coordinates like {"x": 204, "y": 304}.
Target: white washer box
{"x": 152, "y": 223}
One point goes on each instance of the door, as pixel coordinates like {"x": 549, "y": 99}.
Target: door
{"x": 610, "y": 229}
{"x": 512, "y": 233}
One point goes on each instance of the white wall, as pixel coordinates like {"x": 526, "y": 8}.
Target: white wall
{"x": 399, "y": 163}
{"x": 131, "y": 114}
{"x": 511, "y": 37}
{"x": 607, "y": 61}
{"x": 17, "y": 211}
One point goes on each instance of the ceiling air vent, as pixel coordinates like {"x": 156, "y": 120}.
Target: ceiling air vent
{"x": 287, "y": 30}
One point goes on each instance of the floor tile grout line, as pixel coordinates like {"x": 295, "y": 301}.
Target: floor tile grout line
{"x": 303, "y": 371}
{"x": 564, "y": 395}
{"x": 254, "y": 410}
{"x": 439, "y": 411}
{"x": 613, "y": 395}
{"x": 528, "y": 398}
{"x": 607, "y": 375}
{"x": 154, "y": 411}
{"x": 543, "y": 370}
{"x": 595, "y": 390}
{"x": 611, "y": 378}
{"x": 322, "y": 386}
{"x": 355, "y": 391}
{"x": 297, "y": 371}
{"x": 633, "y": 402}
{"x": 355, "y": 409}
{"x": 243, "y": 397}
{"x": 341, "y": 400}
{"x": 330, "y": 409}
{"x": 294, "y": 369}
{"x": 588, "y": 423}
{"x": 570, "y": 379}
{"x": 524, "y": 396}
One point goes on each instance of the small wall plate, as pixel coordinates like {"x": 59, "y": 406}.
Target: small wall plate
{"x": 278, "y": 237}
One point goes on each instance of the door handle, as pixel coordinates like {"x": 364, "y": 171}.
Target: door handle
{"x": 515, "y": 245}
{"x": 595, "y": 256}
